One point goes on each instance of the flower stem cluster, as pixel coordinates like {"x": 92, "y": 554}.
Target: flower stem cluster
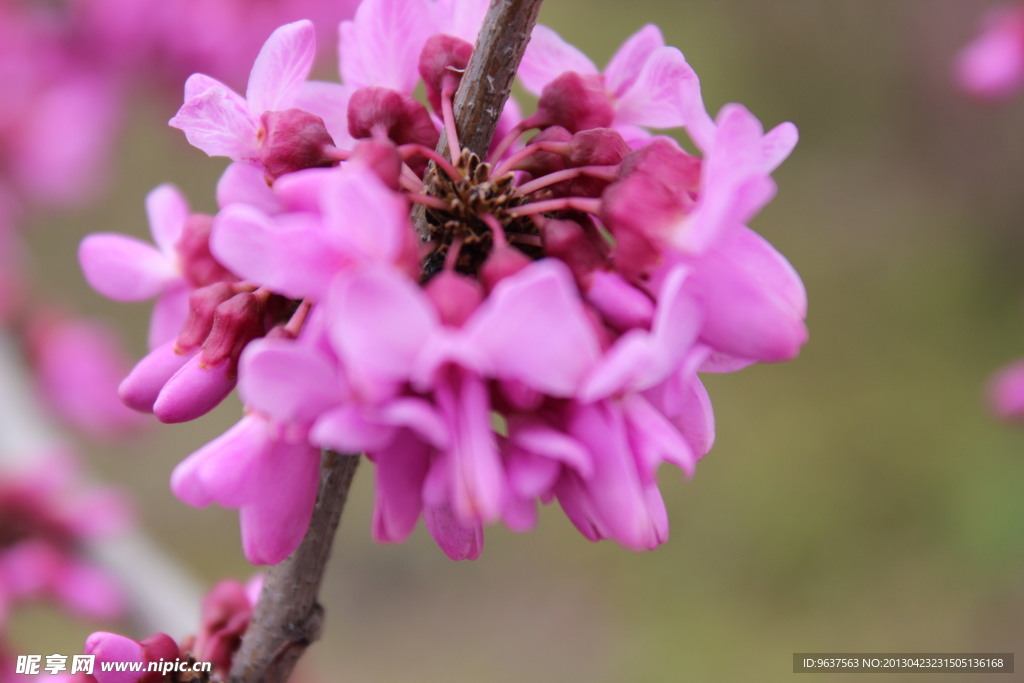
{"x": 537, "y": 339}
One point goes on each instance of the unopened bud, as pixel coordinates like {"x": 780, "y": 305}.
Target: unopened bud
{"x": 292, "y": 140}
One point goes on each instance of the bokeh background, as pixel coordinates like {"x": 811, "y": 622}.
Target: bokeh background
{"x": 858, "y": 499}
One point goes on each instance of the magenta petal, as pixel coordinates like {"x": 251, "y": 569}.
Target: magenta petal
{"x": 283, "y": 488}
{"x": 123, "y": 268}
{"x": 348, "y": 429}
{"x": 290, "y": 256}
{"x": 754, "y": 301}
{"x": 281, "y": 67}
{"x": 656, "y": 98}
{"x": 530, "y": 475}
{"x": 400, "y": 471}
{"x": 419, "y": 416}
{"x": 629, "y": 60}
{"x": 547, "y": 57}
{"x": 287, "y": 381}
{"x": 535, "y": 330}
{"x": 539, "y": 439}
{"x": 375, "y": 219}
{"x": 194, "y": 390}
{"x": 110, "y": 647}
{"x": 90, "y": 592}
{"x": 381, "y": 46}
{"x": 244, "y": 182}
{"x": 218, "y": 122}
{"x": 1006, "y": 392}
{"x": 382, "y": 321}
{"x": 167, "y": 211}
{"x": 220, "y": 471}
{"x": 169, "y": 314}
{"x": 457, "y": 541}
{"x": 478, "y": 479}
{"x": 140, "y": 388}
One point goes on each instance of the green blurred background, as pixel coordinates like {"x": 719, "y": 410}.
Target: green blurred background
{"x": 858, "y": 499}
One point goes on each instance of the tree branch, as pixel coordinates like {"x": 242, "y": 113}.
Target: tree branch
{"x": 487, "y": 83}
{"x": 288, "y": 617}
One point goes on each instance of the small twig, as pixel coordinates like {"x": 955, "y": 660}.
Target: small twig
{"x": 288, "y": 617}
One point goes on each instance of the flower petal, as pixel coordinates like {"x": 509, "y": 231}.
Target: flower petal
{"x": 218, "y": 122}
{"x": 281, "y": 67}
{"x": 629, "y": 60}
{"x": 547, "y": 57}
{"x": 167, "y": 210}
{"x": 287, "y": 380}
{"x": 381, "y": 46}
{"x": 124, "y": 268}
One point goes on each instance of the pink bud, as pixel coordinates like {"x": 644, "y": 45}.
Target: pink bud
{"x": 202, "y": 305}
{"x": 292, "y": 140}
{"x": 194, "y": 390}
{"x": 442, "y": 62}
{"x": 576, "y": 102}
{"x": 543, "y": 162}
{"x": 374, "y": 112}
{"x": 567, "y": 241}
{"x": 236, "y": 322}
{"x": 197, "y": 263}
{"x": 143, "y": 384}
{"x": 502, "y": 262}
{"x": 381, "y": 157}
{"x": 454, "y": 296}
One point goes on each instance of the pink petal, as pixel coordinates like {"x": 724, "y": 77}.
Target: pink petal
{"x": 194, "y": 390}
{"x": 287, "y": 380}
{"x": 370, "y": 221}
{"x": 383, "y": 319}
{"x": 400, "y": 471}
{"x": 140, "y": 388}
{"x": 218, "y": 122}
{"x": 656, "y": 98}
{"x": 169, "y": 314}
{"x": 90, "y": 592}
{"x": 535, "y": 330}
{"x": 290, "y": 255}
{"x": 167, "y": 210}
{"x": 281, "y": 67}
{"x": 221, "y": 470}
{"x": 329, "y": 101}
{"x": 245, "y": 182}
{"x": 110, "y": 647}
{"x": 457, "y": 541}
{"x": 629, "y": 60}
{"x": 381, "y": 46}
{"x": 123, "y": 268}
{"x": 1006, "y": 392}
{"x": 283, "y": 488}
{"x": 478, "y": 479}
{"x": 778, "y": 143}
{"x": 539, "y": 439}
{"x": 548, "y": 57}
{"x": 351, "y": 429}
{"x": 754, "y": 302}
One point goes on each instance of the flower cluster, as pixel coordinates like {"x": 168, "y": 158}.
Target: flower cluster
{"x": 496, "y": 330}
{"x": 226, "y": 612}
{"x": 992, "y": 65}
{"x": 45, "y": 520}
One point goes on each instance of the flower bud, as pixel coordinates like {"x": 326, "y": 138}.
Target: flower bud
{"x": 292, "y": 140}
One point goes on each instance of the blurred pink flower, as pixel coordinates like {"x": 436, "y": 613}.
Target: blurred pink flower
{"x": 992, "y": 65}
{"x": 45, "y": 516}
{"x": 79, "y": 364}
{"x": 1006, "y": 392}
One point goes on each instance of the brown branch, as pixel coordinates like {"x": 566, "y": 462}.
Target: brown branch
{"x": 288, "y": 617}
{"x": 487, "y": 83}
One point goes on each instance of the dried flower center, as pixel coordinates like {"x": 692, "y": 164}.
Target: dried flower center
{"x": 478, "y": 204}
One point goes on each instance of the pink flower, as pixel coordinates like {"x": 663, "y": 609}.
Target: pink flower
{"x": 992, "y": 65}
{"x": 646, "y": 83}
{"x": 222, "y": 123}
{"x": 79, "y": 365}
{"x": 47, "y": 518}
{"x": 1006, "y": 392}
{"x": 126, "y": 269}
